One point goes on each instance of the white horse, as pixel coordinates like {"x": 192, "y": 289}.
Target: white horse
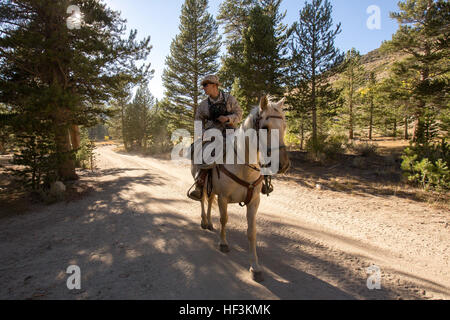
{"x": 242, "y": 183}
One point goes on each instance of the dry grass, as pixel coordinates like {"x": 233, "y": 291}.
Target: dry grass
{"x": 379, "y": 174}
{"x": 16, "y": 200}
{"x": 13, "y": 198}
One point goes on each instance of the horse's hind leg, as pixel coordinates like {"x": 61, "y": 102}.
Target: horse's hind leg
{"x": 255, "y": 269}
{"x": 223, "y": 208}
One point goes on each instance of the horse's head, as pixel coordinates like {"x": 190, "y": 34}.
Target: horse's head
{"x": 271, "y": 117}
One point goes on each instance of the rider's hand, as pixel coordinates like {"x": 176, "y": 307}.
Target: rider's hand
{"x": 223, "y": 119}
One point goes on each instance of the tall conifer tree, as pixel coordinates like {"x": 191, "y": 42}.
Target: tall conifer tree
{"x": 233, "y": 16}
{"x": 314, "y": 56}
{"x": 351, "y": 79}
{"x": 193, "y": 54}
{"x": 55, "y": 75}
{"x": 424, "y": 35}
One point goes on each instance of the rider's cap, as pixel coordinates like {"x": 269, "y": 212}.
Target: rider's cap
{"x": 211, "y": 79}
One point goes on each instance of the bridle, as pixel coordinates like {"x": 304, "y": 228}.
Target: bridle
{"x": 258, "y": 127}
{"x": 251, "y": 186}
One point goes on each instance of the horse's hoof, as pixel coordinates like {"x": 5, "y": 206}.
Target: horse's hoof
{"x": 204, "y": 226}
{"x": 210, "y": 227}
{"x": 257, "y": 276}
{"x": 224, "y": 248}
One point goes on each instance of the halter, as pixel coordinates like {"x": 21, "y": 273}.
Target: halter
{"x": 258, "y": 127}
{"x": 251, "y": 186}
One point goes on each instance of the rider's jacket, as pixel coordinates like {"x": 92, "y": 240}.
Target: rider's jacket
{"x": 210, "y": 110}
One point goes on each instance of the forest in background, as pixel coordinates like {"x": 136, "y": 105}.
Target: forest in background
{"x": 58, "y": 91}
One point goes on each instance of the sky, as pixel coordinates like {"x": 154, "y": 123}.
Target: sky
{"x": 159, "y": 19}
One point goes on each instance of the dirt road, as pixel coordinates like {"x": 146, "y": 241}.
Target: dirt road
{"x": 137, "y": 236}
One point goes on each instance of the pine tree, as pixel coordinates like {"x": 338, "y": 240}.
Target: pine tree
{"x": 233, "y": 16}
{"x": 61, "y": 76}
{"x": 248, "y": 24}
{"x": 261, "y": 69}
{"x": 351, "y": 79}
{"x": 4, "y": 130}
{"x": 314, "y": 57}
{"x": 193, "y": 54}
{"x": 393, "y": 96}
{"x": 119, "y": 105}
{"x": 158, "y": 128}
{"x": 367, "y": 94}
{"x": 137, "y": 118}
{"x": 424, "y": 35}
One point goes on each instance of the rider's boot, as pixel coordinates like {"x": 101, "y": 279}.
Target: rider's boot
{"x": 267, "y": 189}
{"x": 197, "y": 193}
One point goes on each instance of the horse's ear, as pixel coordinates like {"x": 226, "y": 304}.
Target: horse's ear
{"x": 281, "y": 104}
{"x": 264, "y": 103}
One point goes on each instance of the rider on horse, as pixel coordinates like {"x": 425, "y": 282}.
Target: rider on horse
{"x": 221, "y": 111}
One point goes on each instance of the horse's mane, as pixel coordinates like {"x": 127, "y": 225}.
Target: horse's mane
{"x": 249, "y": 122}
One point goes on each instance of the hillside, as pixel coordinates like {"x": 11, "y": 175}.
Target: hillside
{"x": 380, "y": 62}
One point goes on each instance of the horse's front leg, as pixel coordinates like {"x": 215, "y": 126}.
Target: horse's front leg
{"x": 252, "y": 209}
{"x": 223, "y": 208}
{"x": 204, "y": 216}
{"x": 210, "y": 226}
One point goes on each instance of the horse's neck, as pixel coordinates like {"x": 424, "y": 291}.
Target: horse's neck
{"x": 245, "y": 170}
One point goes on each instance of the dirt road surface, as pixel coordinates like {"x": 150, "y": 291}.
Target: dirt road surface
{"x": 137, "y": 236}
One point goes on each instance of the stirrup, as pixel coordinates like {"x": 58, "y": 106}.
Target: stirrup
{"x": 190, "y": 196}
{"x": 266, "y": 189}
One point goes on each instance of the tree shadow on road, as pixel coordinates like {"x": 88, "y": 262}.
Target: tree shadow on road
{"x": 148, "y": 248}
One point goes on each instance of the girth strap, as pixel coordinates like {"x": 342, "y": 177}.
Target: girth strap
{"x": 250, "y": 186}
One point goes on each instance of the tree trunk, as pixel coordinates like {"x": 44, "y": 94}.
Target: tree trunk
{"x": 302, "y": 133}
{"x": 314, "y": 113}
{"x": 313, "y": 91}
{"x": 406, "y": 128}
{"x": 196, "y": 76}
{"x": 419, "y": 127}
{"x": 371, "y": 120}
{"x": 395, "y": 128}
{"x": 66, "y": 163}
{"x": 419, "y": 133}
{"x": 75, "y": 137}
{"x": 125, "y": 142}
{"x": 350, "y": 134}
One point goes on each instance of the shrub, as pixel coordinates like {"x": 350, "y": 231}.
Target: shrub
{"x": 37, "y": 160}
{"x": 427, "y": 165}
{"x": 364, "y": 149}
{"x": 327, "y": 146}
{"x": 85, "y": 154}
